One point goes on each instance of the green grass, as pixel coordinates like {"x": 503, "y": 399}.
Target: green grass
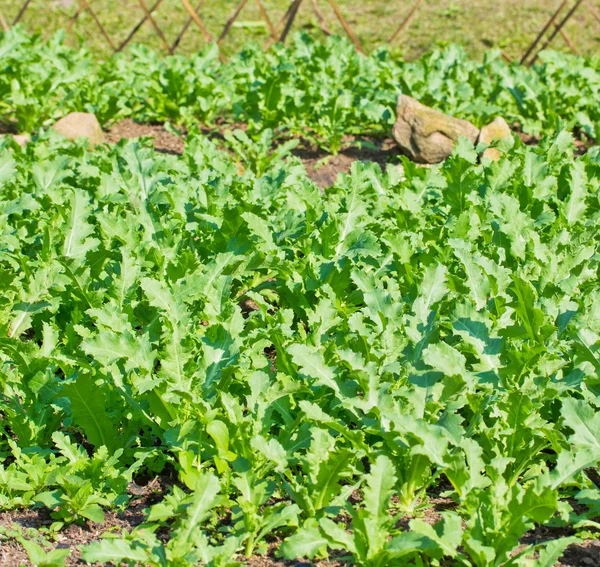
{"x": 509, "y": 24}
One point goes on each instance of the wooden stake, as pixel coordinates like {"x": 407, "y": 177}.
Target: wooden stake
{"x": 74, "y": 17}
{"x": 198, "y": 21}
{"x": 279, "y": 25}
{"x": 284, "y": 18}
{"x": 137, "y": 27}
{"x": 594, "y": 12}
{"x": 107, "y": 37}
{"x": 231, "y": 19}
{"x": 148, "y": 14}
{"x": 406, "y": 21}
{"x": 557, "y": 30}
{"x": 322, "y": 21}
{"x": 3, "y": 23}
{"x": 266, "y": 18}
{"x": 568, "y": 41}
{"x": 544, "y": 30}
{"x": 293, "y": 11}
{"x": 21, "y": 12}
{"x": 185, "y": 28}
{"x": 346, "y": 26}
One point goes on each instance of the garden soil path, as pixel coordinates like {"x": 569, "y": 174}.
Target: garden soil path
{"x": 586, "y": 554}
{"x": 321, "y": 167}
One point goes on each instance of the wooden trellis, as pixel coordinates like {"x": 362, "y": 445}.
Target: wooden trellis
{"x": 22, "y": 11}
{"x": 280, "y": 30}
{"x": 555, "y": 26}
{"x": 236, "y": 14}
{"x": 83, "y": 5}
{"x": 406, "y": 21}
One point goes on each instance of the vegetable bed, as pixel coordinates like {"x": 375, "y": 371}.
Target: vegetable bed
{"x": 206, "y": 359}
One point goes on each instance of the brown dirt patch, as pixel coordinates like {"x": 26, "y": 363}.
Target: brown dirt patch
{"x": 581, "y": 142}
{"x": 586, "y": 554}
{"x": 74, "y": 536}
{"x": 71, "y": 537}
{"x": 324, "y": 168}
{"x": 11, "y": 554}
{"x": 268, "y": 562}
{"x": 8, "y": 126}
{"x": 432, "y": 514}
{"x": 321, "y": 167}
{"x": 164, "y": 141}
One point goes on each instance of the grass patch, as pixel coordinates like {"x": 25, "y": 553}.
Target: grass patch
{"x": 510, "y": 25}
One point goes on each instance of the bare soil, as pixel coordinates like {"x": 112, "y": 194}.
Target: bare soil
{"x": 321, "y": 167}
{"x": 586, "y": 554}
{"x": 324, "y": 168}
{"x": 164, "y": 141}
{"x": 73, "y": 537}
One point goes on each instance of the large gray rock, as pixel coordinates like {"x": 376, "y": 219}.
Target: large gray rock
{"x": 495, "y": 130}
{"x": 80, "y": 125}
{"x": 426, "y": 135}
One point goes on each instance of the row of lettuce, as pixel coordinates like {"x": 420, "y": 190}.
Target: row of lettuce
{"x": 322, "y": 91}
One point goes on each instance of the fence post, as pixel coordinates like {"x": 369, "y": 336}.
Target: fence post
{"x": 346, "y": 26}
{"x": 557, "y": 30}
{"x": 21, "y": 12}
{"x": 544, "y": 30}
{"x": 406, "y": 21}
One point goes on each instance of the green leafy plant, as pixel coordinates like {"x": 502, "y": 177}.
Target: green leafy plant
{"x": 306, "y": 371}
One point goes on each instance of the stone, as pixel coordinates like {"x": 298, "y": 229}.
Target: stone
{"x": 22, "y": 139}
{"x": 426, "y": 135}
{"x": 80, "y": 125}
{"x": 495, "y": 130}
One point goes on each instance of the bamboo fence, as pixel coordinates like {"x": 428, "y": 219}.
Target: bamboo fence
{"x": 279, "y": 30}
